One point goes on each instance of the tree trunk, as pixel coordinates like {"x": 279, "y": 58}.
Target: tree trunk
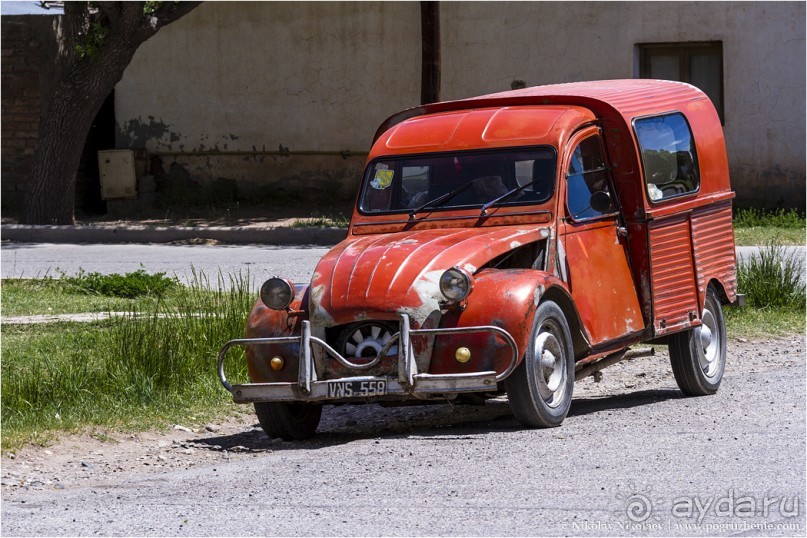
{"x": 77, "y": 97}
{"x": 51, "y": 189}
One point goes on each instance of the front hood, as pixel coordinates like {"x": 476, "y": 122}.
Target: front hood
{"x": 372, "y": 275}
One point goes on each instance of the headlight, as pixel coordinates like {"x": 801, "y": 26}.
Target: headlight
{"x": 277, "y": 293}
{"x": 456, "y": 284}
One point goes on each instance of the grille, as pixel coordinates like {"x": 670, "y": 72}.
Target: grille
{"x": 361, "y": 342}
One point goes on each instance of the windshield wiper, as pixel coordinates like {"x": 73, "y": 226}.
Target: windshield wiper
{"x": 440, "y": 200}
{"x": 506, "y": 195}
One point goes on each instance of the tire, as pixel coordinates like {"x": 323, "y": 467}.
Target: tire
{"x": 289, "y": 421}
{"x": 540, "y": 393}
{"x": 698, "y": 356}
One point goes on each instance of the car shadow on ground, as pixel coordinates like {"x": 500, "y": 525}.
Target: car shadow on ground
{"x": 587, "y": 406}
{"x": 347, "y": 423}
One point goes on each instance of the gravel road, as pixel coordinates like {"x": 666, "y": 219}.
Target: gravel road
{"x": 633, "y": 457}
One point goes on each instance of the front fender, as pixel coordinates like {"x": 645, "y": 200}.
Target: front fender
{"x": 504, "y": 298}
{"x": 263, "y": 322}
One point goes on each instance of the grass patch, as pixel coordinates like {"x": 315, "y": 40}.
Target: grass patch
{"x": 755, "y": 323}
{"x": 748, "y": 237}
{"x": 338, "y": 221}
{"x": 137, "y": 372}
{"x": 25, "y": 297}
{"x": 759, "y": 227}
{"x": 82, "y": 293}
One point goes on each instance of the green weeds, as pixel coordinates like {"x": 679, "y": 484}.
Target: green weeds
{"x": 130, "y": 286}
{"x": 150, "y": 367}
{"x": 316, "y": 221}
{"x": 758, "y": 227}
{"x": 774, "y": 286}
{"x": 774, "y": 279}
{"x": 780, "y": 218}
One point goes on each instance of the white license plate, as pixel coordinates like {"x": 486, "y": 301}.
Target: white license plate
{"x": 349, "y": 389}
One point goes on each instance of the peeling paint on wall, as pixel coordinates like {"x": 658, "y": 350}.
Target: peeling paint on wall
{"x": 322, "y": 182}
{"x": 136, "y": 133}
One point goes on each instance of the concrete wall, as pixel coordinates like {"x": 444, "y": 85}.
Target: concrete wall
{"x": 273, "y": 93}
{"x": 486, "y": 46}
{"x": 270, "y": 91}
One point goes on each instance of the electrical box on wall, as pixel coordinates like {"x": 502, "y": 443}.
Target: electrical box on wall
{"x": 117, "y": 170}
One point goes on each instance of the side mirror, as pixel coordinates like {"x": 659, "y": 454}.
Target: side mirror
{"x": 601, "y": 202}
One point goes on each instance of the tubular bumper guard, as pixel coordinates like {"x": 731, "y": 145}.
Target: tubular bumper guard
{"x": 408, "y": 382}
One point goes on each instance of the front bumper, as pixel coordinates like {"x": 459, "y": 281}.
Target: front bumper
{"x": 409, "y": 381}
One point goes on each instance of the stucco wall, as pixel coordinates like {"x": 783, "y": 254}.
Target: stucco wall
{"x": 247, "y": 81}
{"x": 486, "y": 46}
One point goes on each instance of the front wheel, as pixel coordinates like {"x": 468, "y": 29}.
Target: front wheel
{"x": 540, "y": 389}
{"x": 289, "y": 421}
{"x": 698, "y": 356}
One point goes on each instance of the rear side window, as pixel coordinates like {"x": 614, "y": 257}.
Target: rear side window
{"x": 668, "y": 156}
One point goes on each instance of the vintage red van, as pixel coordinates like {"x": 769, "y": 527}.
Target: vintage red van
{"x": 510, "y": 243}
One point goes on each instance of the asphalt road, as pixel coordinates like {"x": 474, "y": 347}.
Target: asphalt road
{"x": 633, "y": 457}
{"x": 28, "y": 260}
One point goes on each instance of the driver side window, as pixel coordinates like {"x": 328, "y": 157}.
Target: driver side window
{"x": 587, "y": 174}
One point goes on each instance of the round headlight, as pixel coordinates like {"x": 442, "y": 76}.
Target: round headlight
{"x": 277, "y": 293}
{"x": 456, "y": 284}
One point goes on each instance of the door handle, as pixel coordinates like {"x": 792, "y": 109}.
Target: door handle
{"x": 621, "y": 231}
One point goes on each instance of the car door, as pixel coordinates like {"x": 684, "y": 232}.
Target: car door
{"x": 591, "y": 244}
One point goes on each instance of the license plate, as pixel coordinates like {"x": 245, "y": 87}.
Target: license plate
{"x": 349, "y": 389}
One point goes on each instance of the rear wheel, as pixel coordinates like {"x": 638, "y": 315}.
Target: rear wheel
{"x": 698, "y": 356}
{"x": 540, "y": 389}
{"x": 289, "y": 421}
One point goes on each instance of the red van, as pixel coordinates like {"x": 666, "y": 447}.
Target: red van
{"x": 510, "y": 243}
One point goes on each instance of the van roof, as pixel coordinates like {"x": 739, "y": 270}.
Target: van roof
{"x": 627, "y": 97}
{"x": 479, "y": 128}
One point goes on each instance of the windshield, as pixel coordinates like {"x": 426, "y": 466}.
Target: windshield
{"x": 466, "y": 179}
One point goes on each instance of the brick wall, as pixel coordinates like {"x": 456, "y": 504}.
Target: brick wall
{"x": 28, "y": 50}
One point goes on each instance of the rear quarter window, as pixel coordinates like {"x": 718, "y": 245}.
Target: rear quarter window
{"x": 669, "y": 159}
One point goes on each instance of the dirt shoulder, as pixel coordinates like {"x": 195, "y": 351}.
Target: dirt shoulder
{"x": 115, "y": 457}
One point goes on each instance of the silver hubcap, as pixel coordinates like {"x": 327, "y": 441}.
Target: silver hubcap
{"x": 550, "y": 371}
{"x": 708, "y": 337}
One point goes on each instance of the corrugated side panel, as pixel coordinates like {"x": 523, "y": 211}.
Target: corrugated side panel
{"x": 672, "y": 274}
{"x": 713, "y": 238}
